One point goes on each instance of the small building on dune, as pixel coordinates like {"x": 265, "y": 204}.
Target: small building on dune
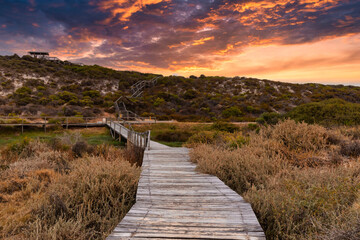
{"x": 43, "y": 55}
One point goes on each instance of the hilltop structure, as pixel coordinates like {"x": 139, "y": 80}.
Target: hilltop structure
{"x": 43, "y": 55}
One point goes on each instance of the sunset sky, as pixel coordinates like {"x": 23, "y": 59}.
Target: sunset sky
{"x": 285, "y": 40}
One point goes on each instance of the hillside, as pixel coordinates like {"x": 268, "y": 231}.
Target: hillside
{"x": 32, "y": 86}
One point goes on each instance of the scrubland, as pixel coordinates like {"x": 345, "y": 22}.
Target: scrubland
{"x": 64, "y": 188}
{"x": 31, "y": 86}
{"x": 303, "y": 181}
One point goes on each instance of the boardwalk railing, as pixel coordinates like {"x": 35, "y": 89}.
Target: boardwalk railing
{"x": 138, "y": 139}
{"x": 46, "y": 121}
{"x": 136, "y": 91}
{"x": 123, "y": 114}
{"x": 138, "y": 88}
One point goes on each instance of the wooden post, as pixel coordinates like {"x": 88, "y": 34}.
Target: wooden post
{"x": 45, "y": 125}
{"x": 22, "y": 125}
{"x": 67, "y": 123}
{"x": 86, "y": 122}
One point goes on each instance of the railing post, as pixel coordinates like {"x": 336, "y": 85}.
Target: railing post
{"x": 45, "y": 125}
{"x": 148, "y": 140}
{"x": 67, "y": 123}
{"x": 22, "y": 125}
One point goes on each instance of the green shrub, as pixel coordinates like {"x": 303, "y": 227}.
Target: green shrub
{"x": 92, "y": 93}
{"x": 271, "y": 118}
{"x": 206, "y": 137}
{"x": 190, "y": 94}
{"x": 67, "y": 96}
{"x": 158, "y": 101}
{"x": 232, "y": 112}
{"x": 328, "y": 112}
{"x": 174, "y": 136}
{"x": 224, "y": 127}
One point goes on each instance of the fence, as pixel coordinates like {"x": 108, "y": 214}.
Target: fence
{"x": 47, "y": 121}
{"x": 138, "y": 139}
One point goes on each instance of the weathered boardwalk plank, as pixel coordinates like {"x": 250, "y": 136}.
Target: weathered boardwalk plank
{"x": 175, "y": 202}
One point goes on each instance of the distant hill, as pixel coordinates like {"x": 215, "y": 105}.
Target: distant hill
{"x": 33, "y": 86}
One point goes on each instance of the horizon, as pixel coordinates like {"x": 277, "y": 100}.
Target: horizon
{"x": 305, "y": 41}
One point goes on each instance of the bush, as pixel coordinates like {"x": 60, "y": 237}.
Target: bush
{"x": 350, "y": 148}
{"x": 190, "y": 94}
{"x": 67, "y": 96}
{"x": 271, "y": 118}
{"x": 50, "y": 195}
{"x": 205, "y": 137}
{"x": 158, "y": 101}
{"x": 173, "y": 136}
{"x": 329, "y": 112}
{"x": 224, "y": 127}
{"x": 232, "y": 112}
{"x": 80, "y": 148}
{"x": 92, "y": 93}
{"x": 291, "y": 200}
{"x": 22, "y": 96}
{"x": 297, "y": 136}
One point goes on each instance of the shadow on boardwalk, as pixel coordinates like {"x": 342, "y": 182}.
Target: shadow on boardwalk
{"x": 176, "y": 202}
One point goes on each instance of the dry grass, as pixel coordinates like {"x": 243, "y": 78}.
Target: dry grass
{"x": 48, "y": 191}
{"x": 300, "y": 183}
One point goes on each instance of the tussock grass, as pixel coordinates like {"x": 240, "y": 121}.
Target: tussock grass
{"x": 50, "y": 191}
{"x": 297, "y": 177}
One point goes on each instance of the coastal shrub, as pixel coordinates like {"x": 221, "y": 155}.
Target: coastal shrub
{"x": 269, "y": 118}
{"x": 49, "y": 194}
{"x": 174, "y": 136}
{"x": 67, "y": 96}
{"x": 328, "y": 112}
{"x": 232, "y": 112}
{"x": 294, "y": 176}
{"x": 190, "y": 94}
{"x": 225, "y": 127}
{"x": 350, "y": 148}
{"x": 22, "y": 96}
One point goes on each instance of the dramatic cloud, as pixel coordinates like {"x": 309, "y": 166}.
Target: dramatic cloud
{"x": 183, "y": 36}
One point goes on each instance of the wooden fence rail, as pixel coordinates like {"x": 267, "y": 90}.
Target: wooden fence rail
{"x": 47, "y": 121}
{"x": 138, "y": 139}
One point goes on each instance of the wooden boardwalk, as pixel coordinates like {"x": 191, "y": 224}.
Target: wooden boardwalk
{"x": 175, "y": 202}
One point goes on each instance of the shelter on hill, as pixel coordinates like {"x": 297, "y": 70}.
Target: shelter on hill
{"x": 39, "y": 54}
{"x": 43, "y": 55}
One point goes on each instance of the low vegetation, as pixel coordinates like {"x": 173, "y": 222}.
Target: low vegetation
{"x": 31, "y": 86}
{"x": 329, "y": 112}
{"x": 303, "y": 181}
{"x": 64, "y": 188}
{"x": 92, "y": 136}
{"x": 177, "y": 134}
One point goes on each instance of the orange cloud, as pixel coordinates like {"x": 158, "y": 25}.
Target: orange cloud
{"x": 202, "y": 41}
{"x": 123, "y": 9}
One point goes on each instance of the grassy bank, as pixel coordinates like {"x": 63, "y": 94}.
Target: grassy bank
{"x": 93, "y": 136}
{"x": 178, "y": 133}
{"x": 303, "y": 181}
{"x": 57, "y": 186}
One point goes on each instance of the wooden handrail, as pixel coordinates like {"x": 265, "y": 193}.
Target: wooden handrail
{"x": 139, "y": 139}
{"x": 136, "y": 90}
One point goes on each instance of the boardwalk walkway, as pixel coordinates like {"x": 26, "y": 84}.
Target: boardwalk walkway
{"x": 175, "y": 202}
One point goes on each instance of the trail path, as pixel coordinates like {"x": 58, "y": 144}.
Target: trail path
{"x": 176, "y": 202}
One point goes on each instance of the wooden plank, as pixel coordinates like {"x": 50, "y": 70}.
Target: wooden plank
{"x": 174, "y": 201}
